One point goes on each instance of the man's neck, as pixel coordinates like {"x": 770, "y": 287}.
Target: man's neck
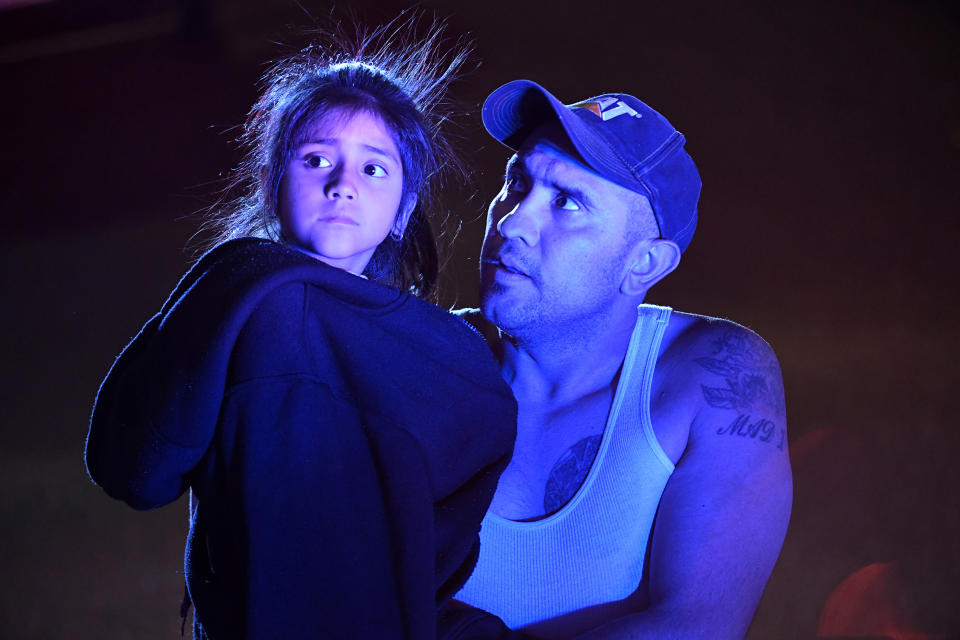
{"x": 560, "y": 364}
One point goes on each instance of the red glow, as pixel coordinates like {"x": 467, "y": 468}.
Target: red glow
{"x": 869, "y": 603}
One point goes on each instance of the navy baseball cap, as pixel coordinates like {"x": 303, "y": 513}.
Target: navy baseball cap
{"x": 619, "y": 137}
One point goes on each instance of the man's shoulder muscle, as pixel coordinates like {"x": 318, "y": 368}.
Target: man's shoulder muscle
{"x": 709, "y": 364}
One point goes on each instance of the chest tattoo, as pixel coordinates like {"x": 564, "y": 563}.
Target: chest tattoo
{"x": 568, "y": 473}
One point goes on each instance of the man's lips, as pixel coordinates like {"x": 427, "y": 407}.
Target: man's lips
{"x": 508, "y": 266}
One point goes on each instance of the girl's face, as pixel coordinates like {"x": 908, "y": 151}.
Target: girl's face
{"x": 342, "y": 190}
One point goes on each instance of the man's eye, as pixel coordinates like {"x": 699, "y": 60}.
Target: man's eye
{"x": 375, "y": 171}
{"x": 566, "y": 203}
{"x": 317, "y": 162}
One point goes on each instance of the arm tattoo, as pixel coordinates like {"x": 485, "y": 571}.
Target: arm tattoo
{"x": 749, "y": 370}
{"x": 568, "y": 473}
{"x": 762, "y": 430}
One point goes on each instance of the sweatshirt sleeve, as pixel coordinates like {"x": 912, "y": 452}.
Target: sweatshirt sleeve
{"x": 156, "y": 411}
{"x": 137, "y": 449}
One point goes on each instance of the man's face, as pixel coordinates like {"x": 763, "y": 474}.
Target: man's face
{"x": 557, "y": 239}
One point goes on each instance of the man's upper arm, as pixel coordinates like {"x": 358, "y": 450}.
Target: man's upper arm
{"x": 724, "y": 511}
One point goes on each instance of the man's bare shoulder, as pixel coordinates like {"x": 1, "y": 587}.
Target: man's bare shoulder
{"x": 691, "y": 335}
{"x": 710, "y": 368}
{"x": 700, "y": 324}
{"x": 730, "y": 365}
{"x": 726, "y": 385}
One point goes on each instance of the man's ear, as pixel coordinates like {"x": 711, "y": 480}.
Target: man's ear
{"x": 407, "y": 205}
{"x": 648, "y": 264}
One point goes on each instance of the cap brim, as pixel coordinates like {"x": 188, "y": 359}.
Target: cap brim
{"x": 513, "y": 111}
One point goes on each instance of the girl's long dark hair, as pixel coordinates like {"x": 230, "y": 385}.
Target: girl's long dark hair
{"x": 389, "y": 72}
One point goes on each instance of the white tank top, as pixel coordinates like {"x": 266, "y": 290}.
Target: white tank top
{"x": 592, "y": 550}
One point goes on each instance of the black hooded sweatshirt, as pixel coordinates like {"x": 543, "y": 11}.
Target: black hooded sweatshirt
{"x": 342, "y": 440}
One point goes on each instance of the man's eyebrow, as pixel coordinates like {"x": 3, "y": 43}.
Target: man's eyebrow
{"x": 518, "y": 163}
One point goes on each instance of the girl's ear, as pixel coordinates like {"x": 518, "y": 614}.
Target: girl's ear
{"x": 407, "y": 205}
{"x": 649, "y": 263}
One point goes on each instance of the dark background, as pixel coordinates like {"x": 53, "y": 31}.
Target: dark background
{"x": 827, "y": 135}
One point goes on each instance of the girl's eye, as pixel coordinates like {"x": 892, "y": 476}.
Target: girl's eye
{"x": 317, "y": 162}
{"x": 566, "y": 203}
{"x": 375, "y": 171}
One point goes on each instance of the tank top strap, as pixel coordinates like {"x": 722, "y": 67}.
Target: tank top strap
{"x": 652, "y": 321}
{"x": 638, "y": 368}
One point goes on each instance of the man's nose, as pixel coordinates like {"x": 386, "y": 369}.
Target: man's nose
{"x": 520, "y": 223}
{"x": 339, "y": 185}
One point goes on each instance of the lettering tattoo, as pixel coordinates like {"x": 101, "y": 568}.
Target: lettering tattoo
{"x": 750, "y": 372}
{"x": 762, "y": 430}
{"x": 569, "y": 472}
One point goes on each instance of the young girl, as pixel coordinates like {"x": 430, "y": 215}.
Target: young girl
{"x": 341, "y": 437}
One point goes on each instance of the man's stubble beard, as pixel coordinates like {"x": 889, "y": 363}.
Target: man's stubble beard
{"x": 544, "y": 316}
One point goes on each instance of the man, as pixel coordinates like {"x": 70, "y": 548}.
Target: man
{"x": 650, "y": 488}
